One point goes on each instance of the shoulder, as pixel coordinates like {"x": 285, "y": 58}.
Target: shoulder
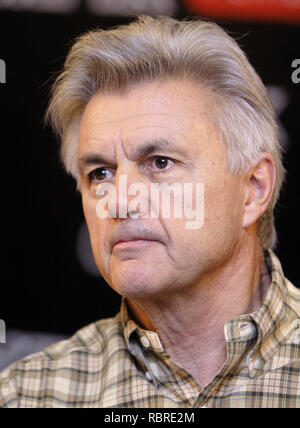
{"x": 51, "y": 376}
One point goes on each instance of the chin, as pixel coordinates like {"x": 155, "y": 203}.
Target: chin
{"x": 135, "y": 286}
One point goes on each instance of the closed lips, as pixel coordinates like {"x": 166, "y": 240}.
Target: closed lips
{"x": 133, "y": 239}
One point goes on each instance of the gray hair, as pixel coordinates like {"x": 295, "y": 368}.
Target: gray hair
{"x": 158, "y": 48}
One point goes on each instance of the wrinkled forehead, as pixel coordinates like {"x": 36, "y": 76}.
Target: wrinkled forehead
{"x": 169, "y": 111}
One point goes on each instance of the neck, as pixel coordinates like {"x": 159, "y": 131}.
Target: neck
{"x": 191, "y": 324}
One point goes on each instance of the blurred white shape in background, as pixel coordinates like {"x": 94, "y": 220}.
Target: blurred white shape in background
{"x": 21, "y": 343}
{"x": 48, "y": 6}
{"x": 128, "y": 7}
{"x": 84, "y": 252}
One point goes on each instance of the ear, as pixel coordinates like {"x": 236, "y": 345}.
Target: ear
{"x": 260, "y": 183}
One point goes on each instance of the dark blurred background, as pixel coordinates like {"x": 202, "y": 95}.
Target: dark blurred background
{"x": 49, "y": 283}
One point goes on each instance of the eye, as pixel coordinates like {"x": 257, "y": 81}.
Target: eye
{"x": 161, "y": 162}
{"x": 99, "y": 174}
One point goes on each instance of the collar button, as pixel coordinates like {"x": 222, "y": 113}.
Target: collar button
{"x": 149, "y": 376}
{"x": 145, "y": 342}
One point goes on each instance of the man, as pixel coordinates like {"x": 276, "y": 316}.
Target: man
{"x": 207, "y": 318}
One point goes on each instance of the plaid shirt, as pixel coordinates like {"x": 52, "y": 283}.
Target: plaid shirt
{"x": 115, "y": 363}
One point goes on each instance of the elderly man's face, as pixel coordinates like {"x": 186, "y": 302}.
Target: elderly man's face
{"x": 171, "y": 119}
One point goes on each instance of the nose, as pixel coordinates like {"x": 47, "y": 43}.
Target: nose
{"x": 132, "y": 196}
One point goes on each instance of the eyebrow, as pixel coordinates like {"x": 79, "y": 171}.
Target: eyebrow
{"x": 90, "y": 159}
{"x": 140, "y": 152}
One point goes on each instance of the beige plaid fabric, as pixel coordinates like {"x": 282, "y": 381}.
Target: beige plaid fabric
{"x": 114, "y": 363}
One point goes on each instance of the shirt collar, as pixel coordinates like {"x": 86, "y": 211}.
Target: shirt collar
{"x": 275, "y": 319}
{"x": 272, "y": 312}
{"x": 148, "y": 339}
{"x": 271, "y": 325}
{"x": 261, "y": 324}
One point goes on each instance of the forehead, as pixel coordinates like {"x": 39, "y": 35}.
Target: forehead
{"x": 167, "y": 110}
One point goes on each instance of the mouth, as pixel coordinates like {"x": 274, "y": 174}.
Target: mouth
{"x": 132, "y": 243}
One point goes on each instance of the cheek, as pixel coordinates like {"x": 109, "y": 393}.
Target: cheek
{"x": 95, "y": 225}
{"x": 89, "y": 210}
{"x": 223, "y": 208}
